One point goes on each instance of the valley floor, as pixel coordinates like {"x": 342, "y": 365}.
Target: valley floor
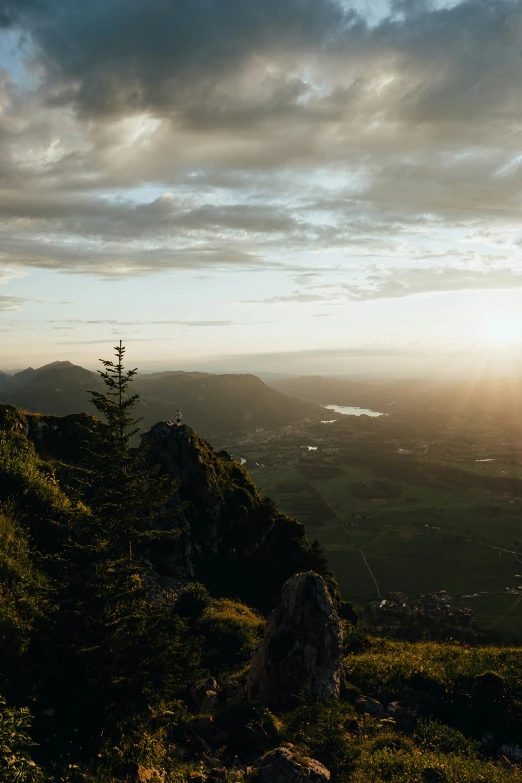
{"x": 401, "y": 511}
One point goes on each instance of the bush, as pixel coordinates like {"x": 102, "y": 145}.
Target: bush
{"x": 435, "y": 736}
{"x": 231, "y": 632}
{"x": 192, "y": 601}
{"x": 324, "y": 729}
{"x": 22, "y": 598}
{"x": 16, "y": 765}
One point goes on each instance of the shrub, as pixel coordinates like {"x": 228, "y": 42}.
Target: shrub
{"x": 323, "y": 727}
{"x": 231, "y": 632}
{"x": 436, "y": 736}
{"x": 192, "y": 601}
{"x": 22, "y": 597}
{"x": 16, "y": 765}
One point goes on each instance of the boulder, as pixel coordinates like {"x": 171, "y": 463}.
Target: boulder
{"x": 205, "y": 696}
{"x": 302, "y": 646}
{"x": 287, "y": 765}
{"x": 366, "y": 706}
{"x": 209, "y": 703}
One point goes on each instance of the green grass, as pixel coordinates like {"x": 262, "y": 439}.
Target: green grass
{"x": 388, "y": 665}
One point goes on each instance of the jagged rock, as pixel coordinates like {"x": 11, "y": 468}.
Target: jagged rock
{"x": 209, "y": 703}
{"x": 64, "y": 438}
{"x": 302, "y": 646}
{"x": 227, "y": 534}
{"x": 136, "y": 773}
{"x": 287, "y": 765}
{"x": 205, "y": 695}
{"x": 367, "y": 706}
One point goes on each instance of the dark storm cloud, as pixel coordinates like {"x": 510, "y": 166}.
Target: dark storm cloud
{"x": 130, "y": 54}
{"x": 122, "y": 56}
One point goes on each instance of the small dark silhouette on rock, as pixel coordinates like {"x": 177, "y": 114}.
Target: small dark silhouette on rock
{"x": 302, "y": 646}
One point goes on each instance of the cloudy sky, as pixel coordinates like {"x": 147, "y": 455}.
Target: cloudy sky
{"x": 216, "y": 177}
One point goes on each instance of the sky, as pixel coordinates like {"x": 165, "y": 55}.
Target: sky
{"x": 278, "y": 185}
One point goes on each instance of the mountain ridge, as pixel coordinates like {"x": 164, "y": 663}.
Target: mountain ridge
{"x": 212, "y": 403}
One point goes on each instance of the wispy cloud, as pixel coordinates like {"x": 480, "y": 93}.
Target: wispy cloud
{"x": 10, "y": 303}
{"x": 402, "y": 282}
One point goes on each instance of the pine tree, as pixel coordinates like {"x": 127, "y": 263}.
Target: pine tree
{"x": 116, "y": 652}
{"x": 115, "y": 405}
{"x": 126, "y": 496}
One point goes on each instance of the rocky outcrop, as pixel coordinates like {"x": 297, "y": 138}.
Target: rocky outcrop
{"x": 302, "y": 646}
{"x": 60, "y": 437}
{"x": 229, "y": 537}
{"x": 205, "y": 696}
{"x": 287, "y": 765}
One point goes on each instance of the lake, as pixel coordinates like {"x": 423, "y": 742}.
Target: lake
{"x": 349, "y": 411}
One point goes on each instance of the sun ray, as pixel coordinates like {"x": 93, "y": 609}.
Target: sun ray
{"x": 502, "y": 328}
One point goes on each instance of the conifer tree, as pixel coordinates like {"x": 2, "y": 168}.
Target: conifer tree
{"x": 119, "y": 650}
{"x": 126, "y": 496}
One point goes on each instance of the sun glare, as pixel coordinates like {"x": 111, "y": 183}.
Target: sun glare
{"x": 502, "y": 328}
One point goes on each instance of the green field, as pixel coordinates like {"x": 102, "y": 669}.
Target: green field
{"x": 429, "y": 538}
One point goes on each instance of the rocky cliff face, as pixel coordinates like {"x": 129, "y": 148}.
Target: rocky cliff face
{"x": 230, "y": 537}
{"x": 58, "y": 437}
{"x": 302, "y": 646}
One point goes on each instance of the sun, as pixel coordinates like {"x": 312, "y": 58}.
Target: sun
{"x": 502, "y": 328}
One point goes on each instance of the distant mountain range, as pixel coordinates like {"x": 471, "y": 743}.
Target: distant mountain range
{"x": 210, "y": 403}
{"x": 339, "y": 391}
{"x": 497, "y": 400}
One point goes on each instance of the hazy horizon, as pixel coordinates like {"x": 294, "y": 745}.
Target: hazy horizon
{"x": 361, "y": 364}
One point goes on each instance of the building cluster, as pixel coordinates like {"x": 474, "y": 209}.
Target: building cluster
{"x": 433, "y": 606}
